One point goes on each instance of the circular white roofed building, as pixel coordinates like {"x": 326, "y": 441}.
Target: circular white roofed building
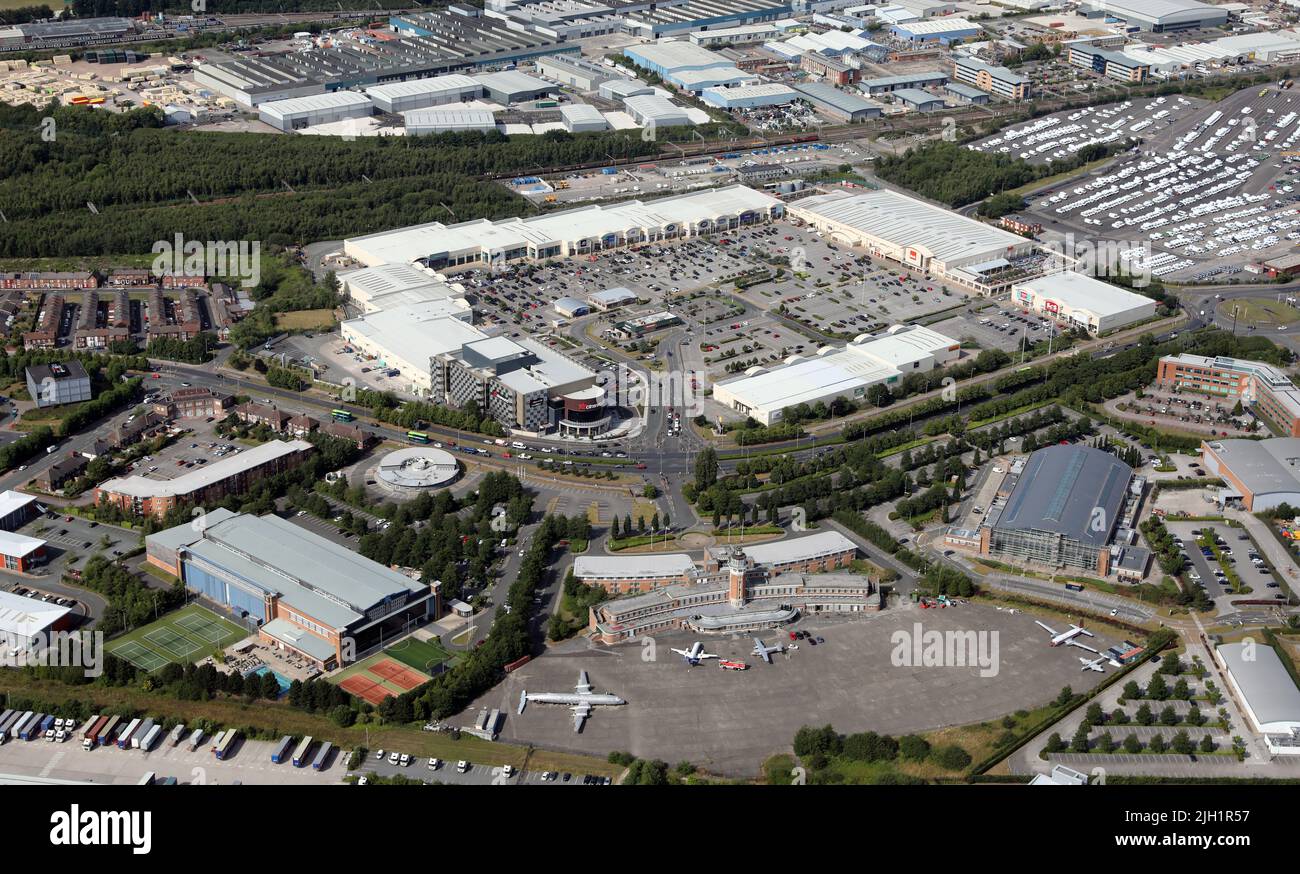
{"x": 417, "y": 468}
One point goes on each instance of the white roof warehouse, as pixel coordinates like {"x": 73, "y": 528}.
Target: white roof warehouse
{"x": 833, "y": 373}
{"x": 565, "y": 233}
{"x": 1083, "y": 302}
{"x": 909, "y": 231}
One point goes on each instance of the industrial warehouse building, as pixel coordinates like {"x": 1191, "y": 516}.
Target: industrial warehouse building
{"x": 1261, "y": 474}
{"x": 672, "y": 56}
{"x": 894, "y": 226}
{"x": 582, "y": 118}
{"x": 683, "y": 18}
{"x": 431, "y": 44}
{"x": 918, "y": 100}
{"x": 510, "y": 86}
{"x": 886, "y": 84}
{"x": 143, "y": 496}
{"x": 656, "y": 112}
{"x": 576, "y": 73}
{"x": 298, "y": 113}
{"x": 421, "y": 93}
{"x": 1078, "y": 301}
{"x": 1064, "y": 507}
{"x": 420, "y": 122}
{"x": 940, "y": 30}
{"x": 696, "y": 81}
{"x": 1264, "y": 389}
{"x": 310, "y": 595}
{"x": 1266, "y": 692}
{"x": 830, "y": 374}
{"x": 1159, "y": 16}
{"x": 28, "y": 622}
{"x": 61, "y": 382}
{"x": 750, "y": 96}
{"x": 619, "y": 90}
{"x": 302, "y": 112}
{"x": 568, "y": 232}
{"x": 839, "y": 105}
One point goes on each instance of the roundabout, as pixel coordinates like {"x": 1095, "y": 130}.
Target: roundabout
{"x": 416, "y": 469}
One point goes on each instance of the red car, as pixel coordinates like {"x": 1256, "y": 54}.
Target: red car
{"x": 640, "y": 465}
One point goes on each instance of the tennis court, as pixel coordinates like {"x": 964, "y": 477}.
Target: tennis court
{"x": 181, "y": 637}
{"x": 177, "y": 645}
{"x": 398, "y": 674}
{"x": 365, "y": 688}
{"x": 139, "y": 656}
{"x": 211, "y": 628}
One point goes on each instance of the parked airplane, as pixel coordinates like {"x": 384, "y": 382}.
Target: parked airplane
{"x": 695, "y": 653}
{"x": 1060, "y": 637}
{"x": 581, "y": 700}
{"x": 765, "y": 652}
{"x": 1094, "y": 665}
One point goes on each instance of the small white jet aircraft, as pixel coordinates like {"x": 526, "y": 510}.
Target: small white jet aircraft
{"x": 695, "y": 654}
{"x": 1067, "y": 636}
{"x": 764, "y": 651}
{"x": 580, "y": 700}
{"x": 1094, "y": 665}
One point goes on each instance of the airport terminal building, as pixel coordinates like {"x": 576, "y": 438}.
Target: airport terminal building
{"x": 307, "y": 594}
{"x": 734, "y": 591}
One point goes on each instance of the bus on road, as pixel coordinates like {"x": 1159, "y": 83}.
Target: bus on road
{"x": 417, "y": 436}
{"x": 342, "y": 415}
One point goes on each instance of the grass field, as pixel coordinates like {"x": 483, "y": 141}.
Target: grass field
{"x": 1259, "y": 311}
{"x": 322, "y": 320}
{"x": 189, "y": 634}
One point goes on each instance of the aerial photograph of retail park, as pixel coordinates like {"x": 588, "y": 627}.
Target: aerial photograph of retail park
{"x": 746, "y": 392}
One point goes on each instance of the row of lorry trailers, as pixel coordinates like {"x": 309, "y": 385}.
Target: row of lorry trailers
{"x": 144, "y": 734}
{"x": 140, "y": 733}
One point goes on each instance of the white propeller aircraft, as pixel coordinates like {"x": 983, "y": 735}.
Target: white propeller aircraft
{"x": 1067, "y": 636}
{"x": 1094, "y": 665}
{"x": 695, "y": 654}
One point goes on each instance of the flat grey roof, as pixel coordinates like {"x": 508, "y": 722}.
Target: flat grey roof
{"x": 1060, "y": 489}
{"x": 618, "y": 566}
{"x": 144, "y": 487}
{"x": 1262, "y": 466}
{"x": 797, "y": 548}
{"x": 832, "y": 96}
{"x": 306, "y": 569}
